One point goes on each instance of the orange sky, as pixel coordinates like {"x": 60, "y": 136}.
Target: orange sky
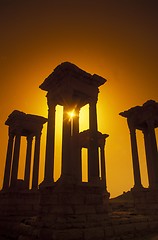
{"x": 115, "y": 39}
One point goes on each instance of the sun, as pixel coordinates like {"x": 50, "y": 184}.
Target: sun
{"x": 71, "y": 114}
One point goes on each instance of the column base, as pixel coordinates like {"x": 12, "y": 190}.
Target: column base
{"x": 137, "y": 188}
{"x": 46, "y": 183}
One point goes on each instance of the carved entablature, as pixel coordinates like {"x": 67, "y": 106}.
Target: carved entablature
{"x": 140, "y": 116}
{"x": 25, "y": 124}
{"x": 85, "y": 138}
{"x": 70, "y": 85}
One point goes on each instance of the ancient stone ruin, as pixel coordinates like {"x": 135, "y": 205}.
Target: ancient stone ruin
{"x": 70, "y": 209}
{"x": 30, "y": 126}
{"x": 145, "y": 119}
{"x": 72, "y": 88}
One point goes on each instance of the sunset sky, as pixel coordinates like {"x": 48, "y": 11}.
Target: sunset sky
{"x": 117, "y": 40}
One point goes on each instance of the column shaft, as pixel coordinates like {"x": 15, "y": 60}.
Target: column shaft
{"x": 152, "y": 146}
{"x": 66, "y": 148}
{"x": 28, "y": 161}
{"x": 15, "y": 163}
{"x": 8, "y": 162}
{"x": 76, "y": 155}
{"x": 103, "y": 166}
{"x": 36, "y": 161}
{"x": 135, "y": 159}
{"x": 49, "y": 160}
{"x": 93, "y": 155}
{"x": 150, "y": 167}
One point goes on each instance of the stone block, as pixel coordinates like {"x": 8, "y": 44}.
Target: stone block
{"x": 141, "y": 226}
{"x": 72, "y": 199}
{"x": 69, "y": 234}
{"x": 109, "y": 232}
{"x": 153, "y": 225}
{"x": 49, "y": 199}
{"x": 95, "y": 199}
{"x": 45, "y": 233}
{"x": 79, "y": 218}
{"x": 21, "y": 237}
{"x": 122, "y": 229}
{"x": 84, "y": 209}
{"x": 94, "y": 233}
{"x": 61, "y": 209}
{"x": 101, "y": 209}
{"x": 95, "y": 218}
{"x": 48, "y": 220}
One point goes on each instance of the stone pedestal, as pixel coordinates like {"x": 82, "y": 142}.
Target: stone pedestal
{"x": 71, "y": 208}
{"x": 19, "y": 203}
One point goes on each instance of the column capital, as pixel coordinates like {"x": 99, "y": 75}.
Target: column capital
{"x": 18, "y": 132}
{"x": 150, "y": 123}
{"x": 131, "y": 126}
{"x": 93, "y": 100}
{"x": 38, "y": 134}
{"x": 30, "y": 137}
{"x": 11, "y": 135}
{"x": 51, "y": 101}
{"x": 102, "y": 143}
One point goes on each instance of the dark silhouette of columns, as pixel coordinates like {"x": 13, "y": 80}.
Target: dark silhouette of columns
{"x": 102, "y": 160}
{"x": 73, "y": 88}
{"x": 93, "y": 155}
{"x": 49, "y": 160}
{"x": 135, "y": 157}
{"x": 6, "y": 181}
{"x": 144, "y": 118}
{"x": 151, "y": 154}
{"x": 75, "y": 148}
{"x": 14, "y": 173}
{"x": 28, "y": 160}
{"x": 66, "y": 146}
{"x": 22, "y": 125}
{"x": 36, "y": 161}
{"x": 84, "y": 142}
{"x": 153, "y": 148}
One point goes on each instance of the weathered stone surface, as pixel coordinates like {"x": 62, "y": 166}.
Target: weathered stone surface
{"x": 94, "y": 233}
{"x": 80, "y": 209}
{"x": 63, "y": 209}
{"x": 72, "y": 234}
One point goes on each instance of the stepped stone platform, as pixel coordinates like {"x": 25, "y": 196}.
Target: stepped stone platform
{"x": 62, "y": 217}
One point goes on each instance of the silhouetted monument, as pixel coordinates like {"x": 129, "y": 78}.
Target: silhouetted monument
{"x": 145, "y": 119}
{"x": 84, "y": 139}
{"x": 69, "y": 208}
{"x": 72, "y": 88}
{"x": 62, "y": 202}
{"x": 27, "y": 125}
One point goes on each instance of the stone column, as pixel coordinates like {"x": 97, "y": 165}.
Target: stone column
{"x": 28, "y": 161}
{"x": 66, "y": 172}
{"x": 152, "y": 153}
{"x": 36, "y": 161}
{"x": 93, "y": 155}
{"x": 76, "y": 155}
{"x": 150, "y": 167}
{"x": 103, "y": 167}
{"x": 8, "y": 162}
{"x": 15, "y": 163}
{"x": 135, "y": 158}
{"x": 49, "y": 160}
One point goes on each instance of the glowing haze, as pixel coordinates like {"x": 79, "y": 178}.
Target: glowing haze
{"x": 114, "y": 39}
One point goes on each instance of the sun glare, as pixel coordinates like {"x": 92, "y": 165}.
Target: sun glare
{"x": 71, "y": 114}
